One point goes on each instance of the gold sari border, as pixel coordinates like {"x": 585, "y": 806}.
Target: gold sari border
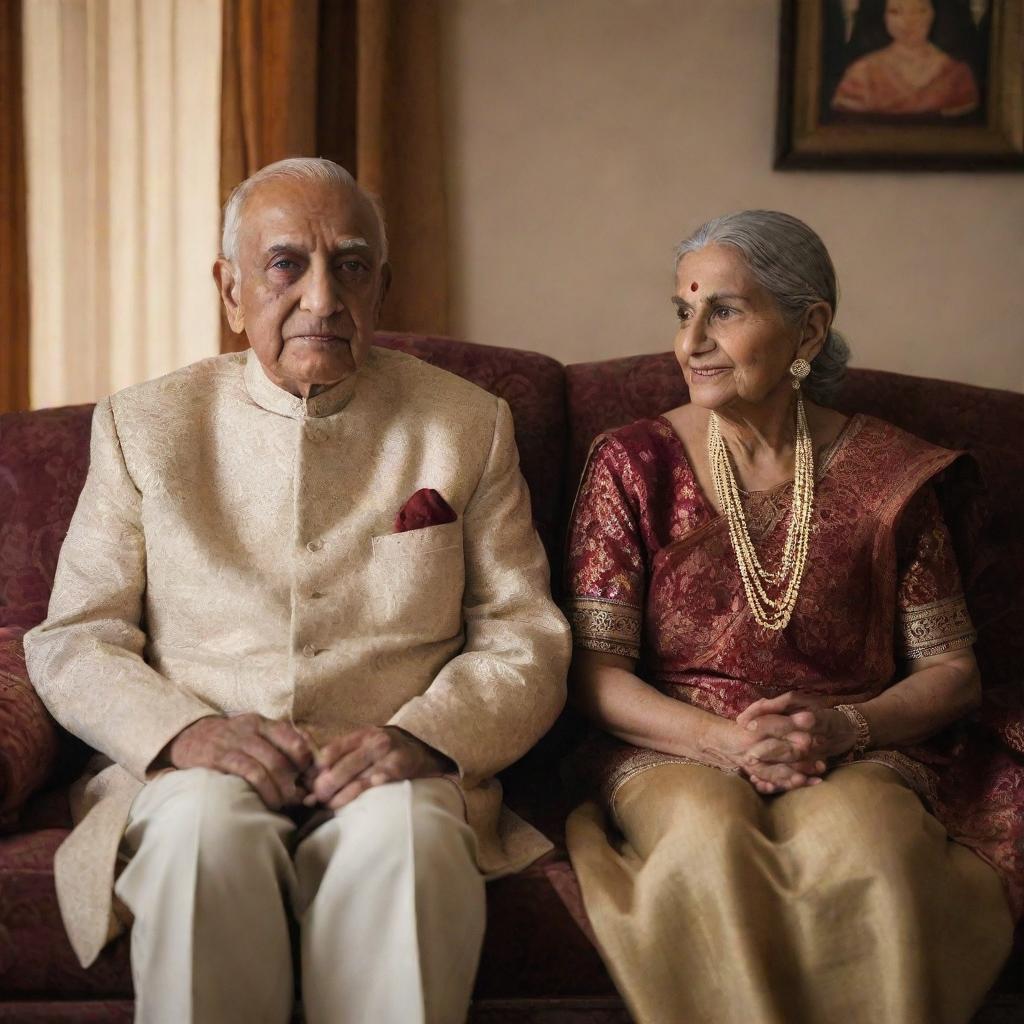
{"x": 600, "y": 624}
{"x": 935, "y": 628}
{"x": 921, "y": 779}
{"x": 641, "y": 761}
{"x": 918, "y": 777}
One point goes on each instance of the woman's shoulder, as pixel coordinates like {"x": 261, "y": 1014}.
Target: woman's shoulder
{"x": 644, "y": 460}
{"x": 881, "y": 434}
{"x": 888, "y": 462}
{"x": 650, "y": 441}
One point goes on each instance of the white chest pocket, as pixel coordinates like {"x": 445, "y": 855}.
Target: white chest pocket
{"x": 418, "y": 580}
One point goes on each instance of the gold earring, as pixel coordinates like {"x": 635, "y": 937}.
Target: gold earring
{"x": 799, "y": 370}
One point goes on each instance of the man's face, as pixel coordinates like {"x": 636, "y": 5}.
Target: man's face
{"x": 308, "y": 283}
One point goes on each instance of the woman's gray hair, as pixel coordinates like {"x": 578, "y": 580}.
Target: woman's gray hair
{"x": 792, "y": 264}
{"x": 298, "y": 168}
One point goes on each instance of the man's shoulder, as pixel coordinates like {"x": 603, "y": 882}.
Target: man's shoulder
{"x": 180, "y": 390}
{"x": 414, "y": 381}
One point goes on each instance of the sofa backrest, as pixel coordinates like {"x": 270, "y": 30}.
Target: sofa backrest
{"x": 986, "y": 422}
{"x": 44, "y": 456}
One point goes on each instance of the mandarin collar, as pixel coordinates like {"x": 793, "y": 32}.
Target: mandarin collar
{"x": 267, "y": 395}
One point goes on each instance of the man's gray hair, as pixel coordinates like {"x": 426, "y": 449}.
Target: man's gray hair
{"x": 792, "y": 264}
{"x": 298, "y": 168}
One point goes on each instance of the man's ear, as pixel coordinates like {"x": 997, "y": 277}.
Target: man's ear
{"x": 385, "y": 287}
{"x": 225, "y": 273}
{"x": 817, "y": 320}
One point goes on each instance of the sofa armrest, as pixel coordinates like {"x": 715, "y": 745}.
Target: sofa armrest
{"x": 28, "y": 735}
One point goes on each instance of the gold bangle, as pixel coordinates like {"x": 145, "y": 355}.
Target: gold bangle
{"x": 860, "y": 726}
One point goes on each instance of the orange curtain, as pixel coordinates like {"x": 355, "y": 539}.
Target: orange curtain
{"x": 268, "y": 93}
{"x": 357, "y": 81}
{"x": 13, "y": 232}
{"x": 399, "y": 153}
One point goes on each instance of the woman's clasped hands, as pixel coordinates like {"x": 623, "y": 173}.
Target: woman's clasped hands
{"x": 784, "y": 742}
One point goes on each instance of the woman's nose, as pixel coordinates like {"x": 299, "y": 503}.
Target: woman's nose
{"x": 694, "y": 337}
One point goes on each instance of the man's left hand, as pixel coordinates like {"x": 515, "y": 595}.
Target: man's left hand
{"x": 348, "y": 765}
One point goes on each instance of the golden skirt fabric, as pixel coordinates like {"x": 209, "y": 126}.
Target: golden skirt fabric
{"x": 842, "y": 902}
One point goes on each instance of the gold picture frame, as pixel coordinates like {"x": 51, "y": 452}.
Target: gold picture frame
{"x": 817, "y": 129}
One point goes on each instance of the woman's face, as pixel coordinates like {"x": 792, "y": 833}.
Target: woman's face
{"x": 909, "y": 21}
{"x": 733, "y": 342}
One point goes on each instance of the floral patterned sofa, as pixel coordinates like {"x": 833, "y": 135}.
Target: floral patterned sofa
{"x": 539, "y": 964}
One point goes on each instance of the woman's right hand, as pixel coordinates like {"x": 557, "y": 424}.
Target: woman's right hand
{"x": 818, "y": 732}
{"x": 771, "y": 743}
{"x": 775, "y": 754}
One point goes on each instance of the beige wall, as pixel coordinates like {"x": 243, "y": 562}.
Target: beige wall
{"x": 585, "y": 137}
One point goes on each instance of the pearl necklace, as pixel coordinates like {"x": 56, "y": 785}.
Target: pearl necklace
{"x": 770, "y": 613}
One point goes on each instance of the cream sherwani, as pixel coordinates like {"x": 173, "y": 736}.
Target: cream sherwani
{"x": 233, "y": 550}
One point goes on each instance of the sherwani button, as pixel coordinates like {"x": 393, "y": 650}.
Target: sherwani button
{"x": 314, "y": 545}
{"x": 309, "y": 651}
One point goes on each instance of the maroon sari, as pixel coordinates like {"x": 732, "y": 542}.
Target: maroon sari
{"x": 652, "y": 576}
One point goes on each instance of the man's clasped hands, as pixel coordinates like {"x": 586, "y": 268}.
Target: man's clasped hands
{"x": 282, "y": 763}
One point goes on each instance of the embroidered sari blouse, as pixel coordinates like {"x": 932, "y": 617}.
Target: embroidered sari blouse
{"x": 652, "y": 576}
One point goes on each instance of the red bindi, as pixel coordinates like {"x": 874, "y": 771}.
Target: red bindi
{"x": 693, "y": 287}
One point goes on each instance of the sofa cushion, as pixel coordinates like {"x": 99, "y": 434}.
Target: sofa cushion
{"x": 989, "y": 424}
{"x": 44, "y": 456}
{"x": 534, "y": 946}
{"x": 35, "y": 958}
{"x": 101, "y": 1011}
{"x": 609, "y": 394}
{"x": 28, "y": 735}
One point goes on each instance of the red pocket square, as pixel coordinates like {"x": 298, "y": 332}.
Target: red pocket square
{"x": 425, "y": 508}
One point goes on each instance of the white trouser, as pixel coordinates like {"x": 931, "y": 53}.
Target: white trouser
{"x": 387, "y": 896}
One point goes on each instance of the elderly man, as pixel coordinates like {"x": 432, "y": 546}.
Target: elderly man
{"x": 303, "y": 616}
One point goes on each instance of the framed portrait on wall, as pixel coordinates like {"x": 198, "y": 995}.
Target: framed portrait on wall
{"x": 901, "y": 84}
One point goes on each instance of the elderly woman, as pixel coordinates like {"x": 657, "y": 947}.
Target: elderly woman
{"x": 768, "y": 621}
{"x": 910, "y": 75}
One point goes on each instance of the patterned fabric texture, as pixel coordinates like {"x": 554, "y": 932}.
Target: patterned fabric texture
{"x": 36, "y": 959}
{"x": 985, "y": 520}
{"x": 29, "y": 748}
{"x": 534, "y": 387}
{"x": 233, "y": 551}
{"x": 538, "y": 965}
{"x": 43, "y": 460}
{"x": 543, "y": 902}
{"x": 882, "y": 585}
{"x": 982, "y": 510}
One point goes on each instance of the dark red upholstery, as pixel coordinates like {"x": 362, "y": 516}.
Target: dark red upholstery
{"x": 539, "y": 965}
{"x": 989, "y": 424}
{"x": 43, "y": 461}
{"x": 28, "y": 752}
